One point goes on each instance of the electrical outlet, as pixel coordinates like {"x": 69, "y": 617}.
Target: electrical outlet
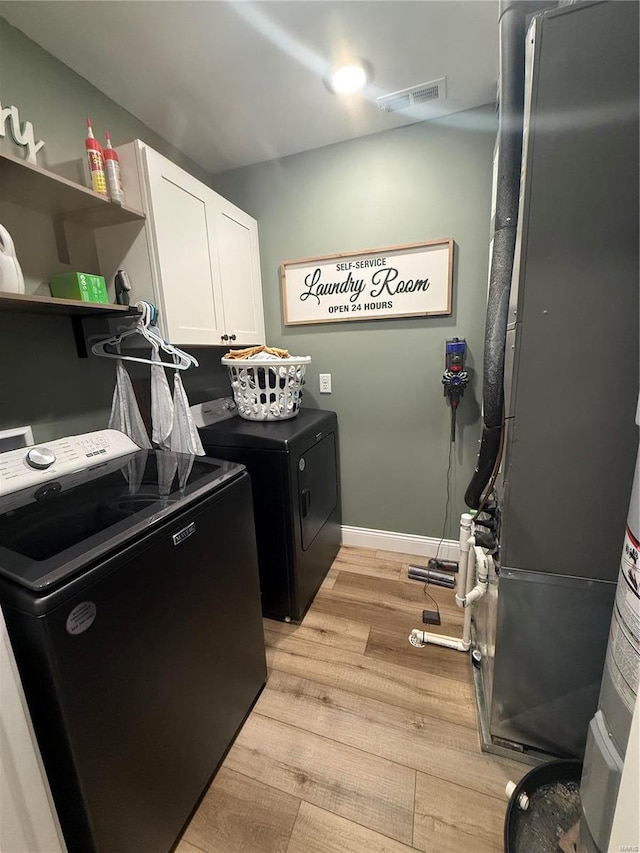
{"x": 325, "y": 383}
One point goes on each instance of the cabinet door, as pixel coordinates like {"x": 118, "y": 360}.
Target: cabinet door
{"x": 236, "y": 237}
{"x": 181, "y": 216}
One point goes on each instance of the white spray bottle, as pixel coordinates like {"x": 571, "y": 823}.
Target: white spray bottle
{"x": 112, "y": 172}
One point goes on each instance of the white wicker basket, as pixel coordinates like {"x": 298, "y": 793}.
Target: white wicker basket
{"x": 265, "y": 389}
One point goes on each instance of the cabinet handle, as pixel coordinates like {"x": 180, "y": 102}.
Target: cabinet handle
{"x": 225, "y": 337}
{"x": 232, "y": 337}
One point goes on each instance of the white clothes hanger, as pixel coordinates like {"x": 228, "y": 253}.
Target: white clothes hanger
{"x": 145, "y": 326}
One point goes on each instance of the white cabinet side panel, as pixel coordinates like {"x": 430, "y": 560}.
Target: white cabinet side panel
{"x": 127, "y": 247}
{"x": 28, "y": 821}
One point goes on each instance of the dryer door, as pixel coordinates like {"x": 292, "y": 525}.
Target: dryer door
{"x": 317, "y": 487}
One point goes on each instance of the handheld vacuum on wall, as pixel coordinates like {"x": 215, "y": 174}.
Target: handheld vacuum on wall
{"x": 469, "y": 577}
{"x": 455, "y": 378}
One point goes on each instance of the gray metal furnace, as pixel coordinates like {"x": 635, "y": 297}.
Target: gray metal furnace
{"x": 571, "y": 381}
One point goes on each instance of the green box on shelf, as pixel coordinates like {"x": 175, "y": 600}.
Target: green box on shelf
{"x": 79, "y": 285}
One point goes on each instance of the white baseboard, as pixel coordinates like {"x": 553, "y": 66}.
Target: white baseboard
{"x": 404, "y": 543}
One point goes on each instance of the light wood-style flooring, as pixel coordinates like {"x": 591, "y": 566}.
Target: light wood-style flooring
{"x": 359, "y": 743}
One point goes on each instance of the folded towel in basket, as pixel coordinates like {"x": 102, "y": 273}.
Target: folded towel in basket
{"x": 250, "y": 351}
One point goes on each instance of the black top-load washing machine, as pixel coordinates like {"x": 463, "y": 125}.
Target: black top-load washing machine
{"x": 129, "y": 590}
{"x": 293, "y": 466}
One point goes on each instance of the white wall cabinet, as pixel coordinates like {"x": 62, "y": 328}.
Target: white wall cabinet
{"x": 197, "y": 257}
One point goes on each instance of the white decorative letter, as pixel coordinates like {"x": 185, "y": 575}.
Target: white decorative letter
{"x": 22, "y": 136}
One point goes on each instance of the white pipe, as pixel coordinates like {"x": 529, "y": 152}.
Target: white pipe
{"x": 473, "y": 561}
{"x": 482, "y": 583}
{"x": 465, "y": 546}
{"x": 523, "y": 799}
{"x": 476, "y": 593}
{"x": 482, "y": 561}
{"x": 464, "y": 578}
{"x": 470, "y": 580}
{"x": 440, "y": 640}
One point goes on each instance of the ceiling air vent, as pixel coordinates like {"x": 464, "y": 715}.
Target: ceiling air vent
{"x": 413, "y": 97}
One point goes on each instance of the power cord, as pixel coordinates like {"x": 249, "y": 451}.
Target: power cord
{"x": 447, "y": 507}
{"x": 431, "y": 617}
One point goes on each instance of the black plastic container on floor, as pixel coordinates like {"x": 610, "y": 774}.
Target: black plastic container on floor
{"x": 294, "y": 472}
{"x": 553, "y": 790}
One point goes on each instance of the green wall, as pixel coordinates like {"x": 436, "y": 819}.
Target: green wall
{"x": 44, "y": 383}
{"x": 407, "y": 185}
{"x": 57, "y": 101}
{"x": 415, "y": 183}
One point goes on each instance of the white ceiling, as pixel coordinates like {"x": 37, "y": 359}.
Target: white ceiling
{"x": 233, "y": 83}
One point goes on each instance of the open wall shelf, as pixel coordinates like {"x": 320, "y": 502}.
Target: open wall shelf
{"x": 29, "y": 185}
{"x": 21, "y": 303}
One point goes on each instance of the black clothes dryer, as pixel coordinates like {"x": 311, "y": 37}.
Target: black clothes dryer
{"x": 294, "y": 472}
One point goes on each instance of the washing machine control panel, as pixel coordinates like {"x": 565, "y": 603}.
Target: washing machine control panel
{"x": 31, "y": 466}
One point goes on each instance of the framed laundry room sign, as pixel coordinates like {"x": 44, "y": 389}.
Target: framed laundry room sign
{"x": 414, "y": 280}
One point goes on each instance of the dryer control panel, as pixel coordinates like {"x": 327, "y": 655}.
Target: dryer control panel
{"x": 29, "y": 466}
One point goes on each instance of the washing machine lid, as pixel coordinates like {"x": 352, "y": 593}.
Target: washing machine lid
{"x": 51, "y": 531}
{"x": 270, "y": 435}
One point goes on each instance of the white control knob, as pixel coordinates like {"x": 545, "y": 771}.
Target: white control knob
{"x": 40, "y": 457}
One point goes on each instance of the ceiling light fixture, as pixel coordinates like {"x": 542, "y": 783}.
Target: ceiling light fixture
{"x": 350, "y": 78}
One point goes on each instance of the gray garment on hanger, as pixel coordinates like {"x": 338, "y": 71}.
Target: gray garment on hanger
{"x": 161, "y": 405}
{"x": 125, "y": 414}
{"x": 185, "y": 437}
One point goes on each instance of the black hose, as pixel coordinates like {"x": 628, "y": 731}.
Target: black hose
{"x": 513, "y": 22}
{"x": 487, "y": 457}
